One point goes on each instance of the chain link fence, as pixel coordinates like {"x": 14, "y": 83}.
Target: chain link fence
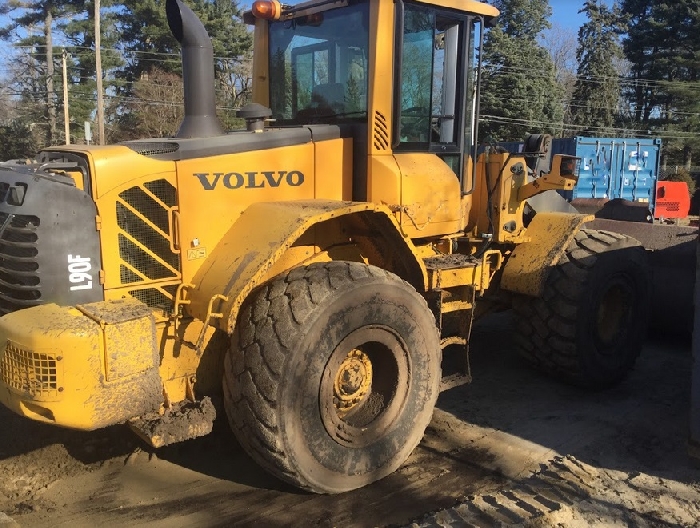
{"x": 665, "y": 172}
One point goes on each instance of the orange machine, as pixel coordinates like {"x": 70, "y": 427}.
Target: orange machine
{"x": 672, "y": 200}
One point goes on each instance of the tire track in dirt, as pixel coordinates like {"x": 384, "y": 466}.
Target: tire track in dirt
{"x": 568, "y": 492}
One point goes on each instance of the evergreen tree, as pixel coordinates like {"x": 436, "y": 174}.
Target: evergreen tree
{"x": 663, "y": 47}
{"x": 146, "y": 35}
{"x": 39, "y": 15}
{"x": 79, "y": 31}
{"x": 137, "y": 48}
{"x": 17, "y": 137}
{"x": 17, "y": 140}
{"x": 596, "y": 95}
{"x": 520, "y": 93}
{"x": 38, "y": 64}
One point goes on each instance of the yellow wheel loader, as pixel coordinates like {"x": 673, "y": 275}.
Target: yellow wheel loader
{"x": 308, "y": 272}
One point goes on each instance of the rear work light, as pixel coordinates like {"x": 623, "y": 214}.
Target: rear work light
{"x": 266, "y": 9}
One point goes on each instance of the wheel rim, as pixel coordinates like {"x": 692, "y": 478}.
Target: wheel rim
{"x": 353, "y": 382}
{"x": 613, "y": 314}
{"x": 364, "y": 386}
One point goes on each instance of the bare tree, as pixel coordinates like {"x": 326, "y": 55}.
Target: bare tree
{"x": 157, "y": 103}
{"x": 7, "y": 105}
{"x": 234, "y": 88}
{"x": 561, "y": 44}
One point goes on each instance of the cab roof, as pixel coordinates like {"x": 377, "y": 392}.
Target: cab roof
{"x": 310, "y": 6}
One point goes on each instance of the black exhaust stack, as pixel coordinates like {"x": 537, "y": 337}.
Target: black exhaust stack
{"x": 197, "y": 72}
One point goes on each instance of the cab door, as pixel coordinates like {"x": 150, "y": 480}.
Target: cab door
{"x": 429, "y": 111}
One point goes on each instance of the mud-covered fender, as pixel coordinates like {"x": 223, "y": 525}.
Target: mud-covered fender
{"x": 266, "y": 230}
{"x": 528, "y": 267}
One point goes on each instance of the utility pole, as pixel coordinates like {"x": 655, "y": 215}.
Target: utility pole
{"x": 98, "y": 71}
{"x": 65, "y": 97}
{"x": 50, "y": 95}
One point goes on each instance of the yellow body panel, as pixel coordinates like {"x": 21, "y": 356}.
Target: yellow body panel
{"x": 430, "y": 196}
{"x": 333, "y": 182}
{"x": 528, "y": 267}
{"x": 501, "y": 175}
{"x": 191, "y": 355}
{"x": 116, "y": 165}
{"x": 381, "y": 79}
{"x": 82, "y": 368}
{"x": 506, "y": 176}
{"x": 235, "y": 183}
{"x": 253, "y": 245}
{"x": 384, "y": 182}
{"x": 470, "y": 6}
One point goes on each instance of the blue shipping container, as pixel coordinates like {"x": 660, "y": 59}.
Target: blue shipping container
{"x": 611, "y": 167}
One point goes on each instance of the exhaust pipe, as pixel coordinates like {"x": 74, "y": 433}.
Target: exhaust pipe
{"x": 197, "y": 72}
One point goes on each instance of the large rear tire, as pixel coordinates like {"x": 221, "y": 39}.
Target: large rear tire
{"x": 590, "y": 323}
{"x": 332, "y": 375}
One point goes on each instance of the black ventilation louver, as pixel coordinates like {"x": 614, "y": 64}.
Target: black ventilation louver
{"x": 19, "y": 270}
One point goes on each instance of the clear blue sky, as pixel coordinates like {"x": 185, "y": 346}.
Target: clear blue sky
{"x": 565, "y": 13}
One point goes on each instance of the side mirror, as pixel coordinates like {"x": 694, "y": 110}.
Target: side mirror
{"x": 490, "y": 22}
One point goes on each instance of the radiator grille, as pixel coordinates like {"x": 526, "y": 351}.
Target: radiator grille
{"x": 163, "y": 191}
{"x": 144, "y": 241}
{"x": 160, "y": 298}
{"x": 34, "y": 374}
{"x": 19, "y": 269}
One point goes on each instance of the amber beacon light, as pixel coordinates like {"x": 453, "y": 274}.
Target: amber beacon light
{"x": 267, "y": 9}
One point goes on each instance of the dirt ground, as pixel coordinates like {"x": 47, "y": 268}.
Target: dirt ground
{"x": 512, "y": 448}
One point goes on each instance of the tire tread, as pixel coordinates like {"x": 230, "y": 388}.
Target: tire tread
{"x": 275, "y": 314}
{"x": 546, "y": 327}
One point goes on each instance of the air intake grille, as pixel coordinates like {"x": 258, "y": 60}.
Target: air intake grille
{"x": 381, "y": 132}
{"x": 153, "y": 148}
{"x": 19, "y": 269}
{"x": 145, "y": 246}
{"x": 34, "y": 374}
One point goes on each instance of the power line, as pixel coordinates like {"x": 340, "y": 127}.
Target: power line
{"x": 570, "y": 126}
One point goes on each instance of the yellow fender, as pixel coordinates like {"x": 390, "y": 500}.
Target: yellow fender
{"x": 265, "y": 231}
{"x": 528, "y": 267}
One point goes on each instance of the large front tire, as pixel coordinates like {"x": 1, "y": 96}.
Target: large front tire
{"x": 332, "y": 375}
{"x": 590, "y": 323}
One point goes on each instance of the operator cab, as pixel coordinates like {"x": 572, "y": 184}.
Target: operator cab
{"x": 400, "y": 78}
{"x": 319, "y": 67}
